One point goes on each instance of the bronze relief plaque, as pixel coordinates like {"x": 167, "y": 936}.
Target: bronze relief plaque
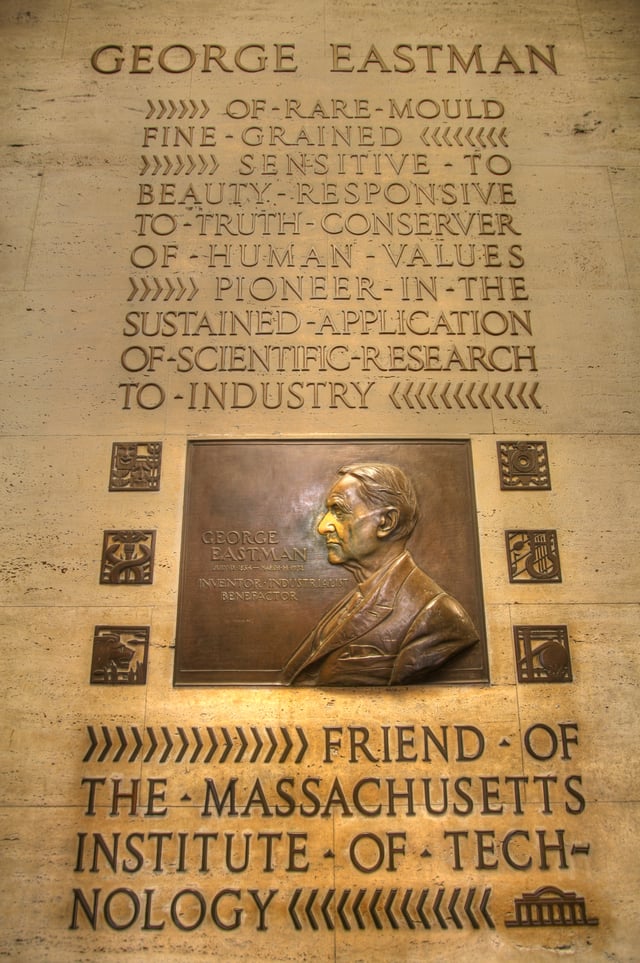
{"x": 330, "y": 563}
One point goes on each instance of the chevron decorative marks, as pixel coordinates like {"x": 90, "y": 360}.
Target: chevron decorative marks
{"x": 395, "y": 908}
{"x": 195, "y": 744}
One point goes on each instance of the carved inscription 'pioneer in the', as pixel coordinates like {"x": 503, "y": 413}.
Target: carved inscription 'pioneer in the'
{"x": 274, "y": 535}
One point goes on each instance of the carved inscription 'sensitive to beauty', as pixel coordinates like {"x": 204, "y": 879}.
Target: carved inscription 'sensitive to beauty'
{"x": 327, "y": 253}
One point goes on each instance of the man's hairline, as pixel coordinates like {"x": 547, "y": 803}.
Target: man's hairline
{"x": 402, "y": 537}
{"x": 362, "y": 491}
{"x": 346, "y": 472}
{"x": 362, "y": 487}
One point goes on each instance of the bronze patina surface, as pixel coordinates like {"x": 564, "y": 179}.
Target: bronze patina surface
{"x": 267, "y": 596}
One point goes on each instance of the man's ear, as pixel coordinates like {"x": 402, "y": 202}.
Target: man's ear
{"x": 388, "y": 522}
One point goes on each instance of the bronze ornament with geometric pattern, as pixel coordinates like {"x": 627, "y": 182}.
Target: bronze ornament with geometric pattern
{"x": 524, "y": 466}
{"x": 542, "y": 653}
{"x": 119, "y": 655}
{"x": 135, "y": 466}
{"x": 533, "y": 555}
{"x": 127, "y": 557}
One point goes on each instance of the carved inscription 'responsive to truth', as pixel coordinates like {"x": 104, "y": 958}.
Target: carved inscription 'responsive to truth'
{"x": 329, "y": 563}
{"x": 332, "y": 252}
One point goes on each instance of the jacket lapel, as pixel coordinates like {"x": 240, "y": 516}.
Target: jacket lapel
{"x": 372, "y": 612}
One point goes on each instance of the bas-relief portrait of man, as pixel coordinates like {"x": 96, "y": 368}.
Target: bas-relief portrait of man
{"x": 325, "y": 564}
{"x": 397, "y": 626}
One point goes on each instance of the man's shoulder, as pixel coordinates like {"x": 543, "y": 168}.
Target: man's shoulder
{"x": 416, "y": 581}
{"x": 429, "y": 601}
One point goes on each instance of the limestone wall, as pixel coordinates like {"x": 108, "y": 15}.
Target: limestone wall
{"x": 294, "y": 232}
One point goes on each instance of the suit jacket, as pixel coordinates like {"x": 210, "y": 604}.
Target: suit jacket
{"x": 396, "y": 633}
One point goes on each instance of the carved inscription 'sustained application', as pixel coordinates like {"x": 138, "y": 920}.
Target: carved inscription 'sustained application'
{"x": 330, "y": 253}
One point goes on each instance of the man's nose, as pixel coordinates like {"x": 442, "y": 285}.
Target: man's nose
{"x": 325, "y": 524}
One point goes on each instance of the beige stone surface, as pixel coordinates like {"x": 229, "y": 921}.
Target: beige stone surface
{"x": 336, "y": 794}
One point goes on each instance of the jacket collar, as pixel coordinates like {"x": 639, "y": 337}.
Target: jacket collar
{"x": 378, "y": 597}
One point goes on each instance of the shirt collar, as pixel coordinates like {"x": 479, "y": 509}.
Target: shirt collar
{"x": 370, "y": 585}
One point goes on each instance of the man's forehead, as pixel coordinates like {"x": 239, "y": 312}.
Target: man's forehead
{"x": 346, "y": 490}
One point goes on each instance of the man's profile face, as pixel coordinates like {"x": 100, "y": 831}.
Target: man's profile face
{"x": 350, "y": 525}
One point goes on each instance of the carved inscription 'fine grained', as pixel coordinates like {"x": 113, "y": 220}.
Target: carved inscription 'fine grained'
{"x": 343, "y": 254}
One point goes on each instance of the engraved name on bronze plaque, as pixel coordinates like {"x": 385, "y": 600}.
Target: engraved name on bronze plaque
{"x": 329, "y": 563}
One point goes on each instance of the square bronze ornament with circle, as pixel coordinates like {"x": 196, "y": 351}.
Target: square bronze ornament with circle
{"x": 533, "y": 555}
{"x": 542, "y": 653}
{"x": 524, "y": 466}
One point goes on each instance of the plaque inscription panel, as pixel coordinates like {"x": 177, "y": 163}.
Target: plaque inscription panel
{"x": 255, "y": 577}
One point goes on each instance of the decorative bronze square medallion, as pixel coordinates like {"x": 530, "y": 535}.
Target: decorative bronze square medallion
{"x": 119, "y": 655}
{"x": 135, "y": 466}
{"x": 127, "y": 557}
{"x": 329, "y": 563}
{"x": 524, "y": 466}
{"x": 542, "y": 653}
{"x": 533, "y": 556}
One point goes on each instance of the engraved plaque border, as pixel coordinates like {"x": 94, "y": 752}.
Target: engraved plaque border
{"x": 247, "y": 489}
